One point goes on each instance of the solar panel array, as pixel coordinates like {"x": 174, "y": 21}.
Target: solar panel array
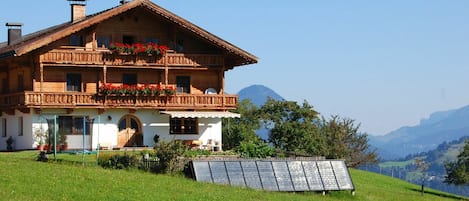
{"x": 276, "y": 175}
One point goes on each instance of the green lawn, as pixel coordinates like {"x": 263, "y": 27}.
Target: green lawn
{"x": 401, "y": 164}
{"x": 22, "y": 178}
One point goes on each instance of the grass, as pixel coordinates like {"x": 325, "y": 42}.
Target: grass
{"x": 22, "y": 178}
{"x": 401, "y": 164}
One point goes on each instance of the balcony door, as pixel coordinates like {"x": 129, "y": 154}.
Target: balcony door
{"x": 130, "y": 132}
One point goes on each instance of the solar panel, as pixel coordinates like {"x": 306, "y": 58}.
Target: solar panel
{"x": 276, "y": 175}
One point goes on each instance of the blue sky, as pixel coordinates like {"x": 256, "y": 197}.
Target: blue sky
{"x": 385, "y": 64}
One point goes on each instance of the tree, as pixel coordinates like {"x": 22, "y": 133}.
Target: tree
{"x": 297, "y": 129}
{"x": 345, "y": 141}
{"x": 237, "y": 130}
{"x": 422, "y": 166}
{"x": 292, "y": 127}
{"x": 458, "y": 172}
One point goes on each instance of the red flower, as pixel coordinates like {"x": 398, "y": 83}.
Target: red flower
{"x": 149, "y": 48}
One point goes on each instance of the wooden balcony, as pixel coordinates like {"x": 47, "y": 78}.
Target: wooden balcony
{"x": 85, "y": 100}
{"x": 86, "y": 57}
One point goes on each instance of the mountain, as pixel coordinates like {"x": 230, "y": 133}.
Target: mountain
{"x": 438, "y": 128}
{"x": 258, "y": 94}
{"x": 405, "y": 169}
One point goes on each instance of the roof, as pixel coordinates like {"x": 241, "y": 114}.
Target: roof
{"x": 44, "y": 37}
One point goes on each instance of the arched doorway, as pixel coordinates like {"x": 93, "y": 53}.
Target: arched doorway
{"x": 130, "y": 132}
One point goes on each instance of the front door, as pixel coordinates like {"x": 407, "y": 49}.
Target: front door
{"x": 130, "y": 132}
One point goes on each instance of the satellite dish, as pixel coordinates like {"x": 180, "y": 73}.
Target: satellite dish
{"x": 210, "y": 91}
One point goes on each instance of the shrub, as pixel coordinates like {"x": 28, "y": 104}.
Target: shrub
{"x": 117, "y": 161}
{"x": 170, "y": 156}
{"x": 197, "y": 152}
{"x": 255, "y": 149}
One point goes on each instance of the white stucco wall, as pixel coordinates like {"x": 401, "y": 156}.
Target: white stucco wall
{"x": 13, "y": 129}
{"x": 105, "y": 128}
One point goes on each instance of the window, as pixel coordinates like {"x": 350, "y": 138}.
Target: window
{"x": 183, "y": 84}
{"x": 152, "y": 40}
{"x": 20, "y": 80}
{"x": 126, "y": 39}
{"x": 180, "y": 45}
{"x": 71, "y": 125}
{"x": 4, "y": 127}
{"x": 74, "y": 82}
{"x": 183, "y": 126}
{"x": 20, "y": 126}
{"x": 103, "y": 41}
{"x": 77, "y": 40}
{"x": 5, "y": 87}
{"x": 129, "y": 79}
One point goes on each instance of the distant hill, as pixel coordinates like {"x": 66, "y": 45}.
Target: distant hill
{"x": 436, "y": 158}
{"x": 258, "y": 94}
{"x": 438, "y": 128}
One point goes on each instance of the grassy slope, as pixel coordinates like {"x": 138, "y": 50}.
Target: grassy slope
{"x": 21, "y": 178}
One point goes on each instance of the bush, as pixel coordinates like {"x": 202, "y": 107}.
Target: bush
{"x": 170, "y": 156}
{"x": 258, "y": 149}
{"x": 198, "y": 152}
{"x": 117, "y": 161}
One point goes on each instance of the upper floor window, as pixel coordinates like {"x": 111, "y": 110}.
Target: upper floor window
{"x": 180, "y": 45}
{"x": 20, "y": 80}
{"x": 103, "y": 41}
{"x": 183, "y": 126}
{"x": 5, "y": 86}
{"x": 129, "y": 79}
{"x": 74, "y": 82}
{"x": 126, "y": 39}
{"x": 183, "y": 84}
{"x": 152, "y": 40}
{"x": 77, "y": 40}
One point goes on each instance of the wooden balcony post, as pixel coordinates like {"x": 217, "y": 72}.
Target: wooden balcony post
{"x": 104, "y": 73}
{"x": 41, "y": 72}
{"x": 166, "y": 71}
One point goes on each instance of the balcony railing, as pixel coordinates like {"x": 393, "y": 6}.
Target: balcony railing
{"x": 85, "y": 57}
{"x": 85, "y": 100}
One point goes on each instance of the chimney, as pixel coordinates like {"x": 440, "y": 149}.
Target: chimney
{"x": 78, "y": 9}
{"x": 14, "y": 32}
{"x": 122, "y": 2}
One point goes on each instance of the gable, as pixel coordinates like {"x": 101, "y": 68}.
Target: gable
{"x": 142, "y": 13}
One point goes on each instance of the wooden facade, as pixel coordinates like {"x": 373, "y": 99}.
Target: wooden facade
{"x": 35, "y": 73}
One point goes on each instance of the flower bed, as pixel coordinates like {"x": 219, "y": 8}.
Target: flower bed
{"x": 135, "y": 90}
{"x": 138, "y": 48}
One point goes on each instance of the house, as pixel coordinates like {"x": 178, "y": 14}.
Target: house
{"x": 116, "y": 78}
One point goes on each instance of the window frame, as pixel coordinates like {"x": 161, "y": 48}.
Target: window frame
{"x": 72, "y": 121}
{"x": 183, "y": 84}
{"x": 129, "y": 79}
{"x": 77, "y": 40}
{"x": 183, "y": 126}
{"x": 128, "y": 39}
{"x": 20, "y": 80}
{"x": 73, "y": 82}
{"x": 103, "y": 41}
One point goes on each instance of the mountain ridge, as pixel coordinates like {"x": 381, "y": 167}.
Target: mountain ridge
{"x": 439, "y": 127}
